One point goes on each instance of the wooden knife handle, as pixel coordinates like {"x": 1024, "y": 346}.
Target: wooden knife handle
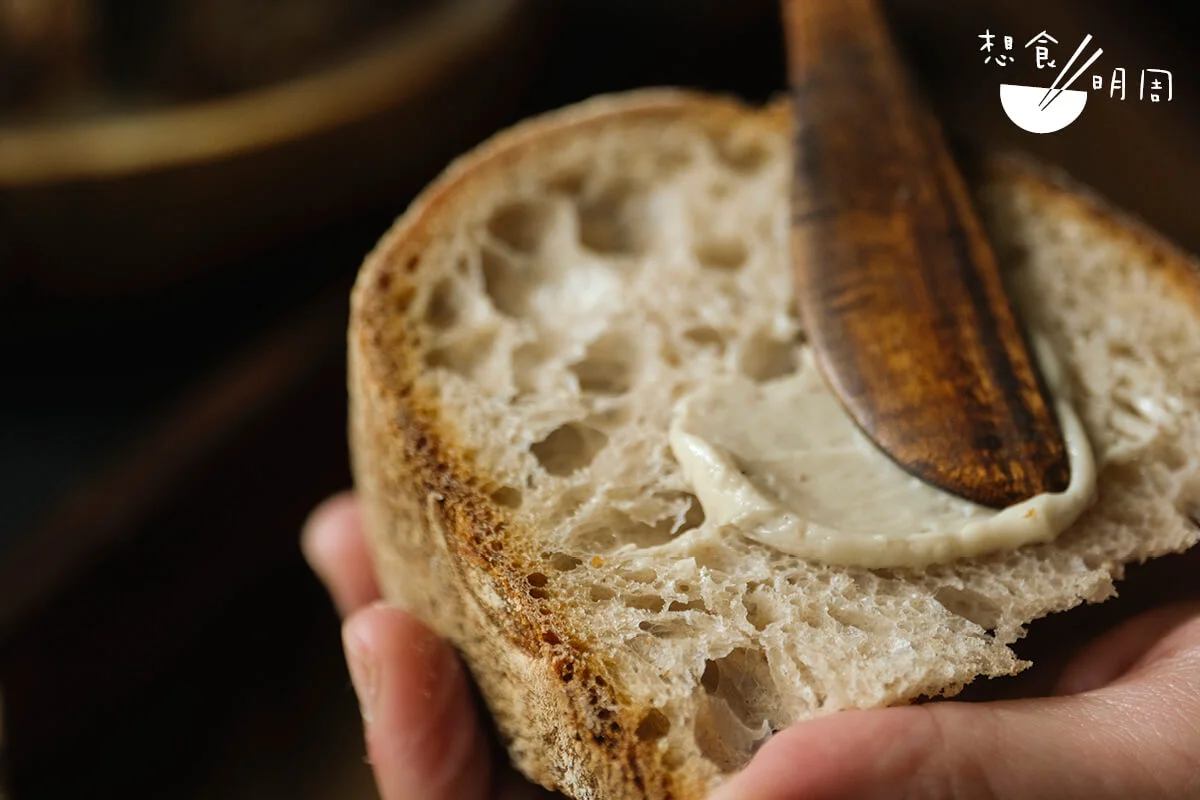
{"x": 898, "y": 286}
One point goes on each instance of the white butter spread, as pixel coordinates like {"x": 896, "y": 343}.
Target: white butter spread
{"x": 785, "y": 465}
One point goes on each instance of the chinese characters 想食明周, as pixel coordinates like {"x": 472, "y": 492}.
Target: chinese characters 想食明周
{"x": 1154, "y": 85}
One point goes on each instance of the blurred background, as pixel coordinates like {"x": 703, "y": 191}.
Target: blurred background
{"x": 187, "y": 188}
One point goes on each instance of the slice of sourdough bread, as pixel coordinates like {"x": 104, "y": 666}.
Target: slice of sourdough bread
{"x": 518, "y": 341}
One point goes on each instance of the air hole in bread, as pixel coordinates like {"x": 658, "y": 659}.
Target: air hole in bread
{"x": 645, "y": 602}
{"x": 694, "y": 516}
{"x": 765, "y": 359}
{"x": 568, "y": 449}
{"x": 654, "y": 725}
{"x": 722, "y": 738}
{"x": 507, "y": 285}
{"x": 537, "y": 579}
{"x": 643, "y": 575}
{"x": 690, "y": 514}
{"x": 757, "y": 612}
{"x": 672, "y": 629}
{"x": 598, "y": 594}
{"x": 720, "y": 253}
{"x": 563, "y": 562}
{"x": 615, "y": 221}
{"x": 522, "y": 225}
{"x": 607, "y": 367}
{"x": 743, "y": 681}
{"x": 690, "y": 605}
{"x": 461, "y": 358}
{"x": 403, "y": 297}
{"x": 508, "y": 497}
{"x": 441, "y": 311}
{"x": 742, "y": 154}
{"x": 711, "y": 678}
{"x": 714, "y": 557}
{"x": 572, "y": 501}
{"x": 849, "y": 618}
{"x": 538, "y": 593}
{"x": 969, "y": 605}
{"x": 706, "y": 336}
{"x": 569, "y": 182}
{"x": 644, "y": 535}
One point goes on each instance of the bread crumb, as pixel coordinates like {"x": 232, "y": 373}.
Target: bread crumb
{"x": 597, "y": 561}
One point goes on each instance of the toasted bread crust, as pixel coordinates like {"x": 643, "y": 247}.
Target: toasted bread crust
{"x": 426, "y": 502}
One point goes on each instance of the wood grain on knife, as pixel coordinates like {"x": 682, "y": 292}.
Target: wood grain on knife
{"x": 899, "y": 288}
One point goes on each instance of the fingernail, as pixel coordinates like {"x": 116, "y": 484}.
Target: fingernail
{"x": 364, "y": 672}
{"x": 311, "y": 531}
{"x": 308, "y": 546}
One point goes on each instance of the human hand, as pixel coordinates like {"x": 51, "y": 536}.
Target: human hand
{"x": 424, "y": 735}
{"x": 1124, "y": 721}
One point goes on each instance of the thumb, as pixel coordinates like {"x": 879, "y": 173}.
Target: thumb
{"x": 1137, "y": 737}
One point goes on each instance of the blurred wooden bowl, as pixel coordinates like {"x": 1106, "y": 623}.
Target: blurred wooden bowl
{"x": 128, "y": 202}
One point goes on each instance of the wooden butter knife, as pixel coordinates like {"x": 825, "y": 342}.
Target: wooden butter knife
{"x": 898, "y": 286}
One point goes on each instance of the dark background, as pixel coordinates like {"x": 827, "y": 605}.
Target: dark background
{"x": 163, "y": 438}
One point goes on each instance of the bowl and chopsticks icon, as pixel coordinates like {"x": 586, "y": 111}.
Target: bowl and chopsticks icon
{"x": 1037, "y": 109}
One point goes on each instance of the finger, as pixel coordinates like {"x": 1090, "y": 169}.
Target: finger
{"x": 423, "y": 737}
{"x": 1119, "y": 651}
{"x": 1136, "y": 738}
{"x": 334, "y": 546}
